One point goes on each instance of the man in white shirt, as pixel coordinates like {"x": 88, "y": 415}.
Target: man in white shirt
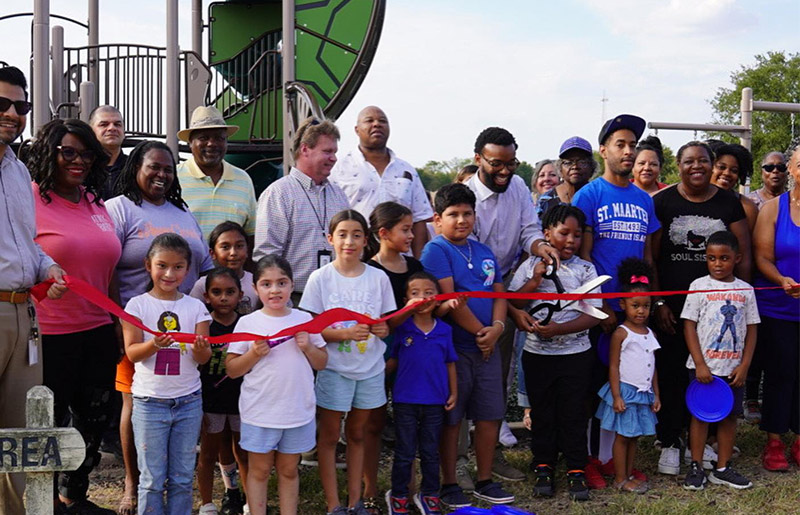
{"x": 372, "y": 173}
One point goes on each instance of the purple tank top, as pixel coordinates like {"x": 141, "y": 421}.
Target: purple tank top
{"x": 775, "y": 303}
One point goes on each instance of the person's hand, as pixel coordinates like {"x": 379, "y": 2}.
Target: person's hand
{"x": 549, "y": 254}
{"x": 486, "y": 339}
{"x": 619, "y": 405}
{"x": 539, "y": 270}
{"x": 455, "y": 303}
{"x": 703, "y": 373}
{"x": 451, "y": 402}
{"x": 526, "y": 419}
{"x": 162, "y": 341}
{"x": 656, "y": 407}
{"x": 201, "y": 342}
{"x": 418, "y": 303}
{"x": 738, "y": 377}
{"x": 522, "y": 319}
{"x": 609, "y": 324}
{"x": 789, "y": 286}
{"x": 58, "y": 288}
{"x": 303, "y": 340}
{"x": 381, "y": 330}
{"x": 261, "y": 348}
{"x": 665, "y": 320}
{"x": 546, "y": 331}
{"x": 358, "y": 333}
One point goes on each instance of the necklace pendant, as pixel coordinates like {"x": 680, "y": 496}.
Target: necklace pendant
{"x": 469, "y": 265}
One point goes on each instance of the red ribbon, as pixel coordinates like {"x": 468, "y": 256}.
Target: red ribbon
{"x": 331, "y": 316}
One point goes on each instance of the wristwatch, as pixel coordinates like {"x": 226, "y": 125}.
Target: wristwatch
{"x": 660, "y": 302}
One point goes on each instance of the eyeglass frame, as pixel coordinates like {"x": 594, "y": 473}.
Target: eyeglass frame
{"x": 585, "y": 161}
{"x": 80, "y": 153}
{"x": 22, "y": 107}
{"x": 499, "y": 165}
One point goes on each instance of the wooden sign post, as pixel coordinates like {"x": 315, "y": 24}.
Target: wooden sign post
{"x": 39, "y": 450}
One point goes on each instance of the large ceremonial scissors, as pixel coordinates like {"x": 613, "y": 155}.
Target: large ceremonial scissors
{"x": 552, "y": 307}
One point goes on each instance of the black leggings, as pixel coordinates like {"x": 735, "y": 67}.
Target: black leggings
{"x": 672, "y": 382}
{"x": 780, "y": 411}
{"x": 79, "y": 368}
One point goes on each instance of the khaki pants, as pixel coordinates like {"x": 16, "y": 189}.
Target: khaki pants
{"x": 16, "y": 378}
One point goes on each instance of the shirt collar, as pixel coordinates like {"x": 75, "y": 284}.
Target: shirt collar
{"x": 9, "y": 153}
{"x": 358, "y": 155}
{"x": 305, "y": 180}
{"x": 197, "y": 173}
{"x": 481, "y": 190}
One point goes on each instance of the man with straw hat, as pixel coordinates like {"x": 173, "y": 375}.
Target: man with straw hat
{"x": 215, "y": 190}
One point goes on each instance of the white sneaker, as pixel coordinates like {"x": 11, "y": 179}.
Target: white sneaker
{"x": 735, "y": 454}
{"x": 708, "y": 456}
{"x": 507, "y": 438}
{"x": 246, "y": 510}
{"x": 208, "y": 509}
{"x": 670, "y": 461}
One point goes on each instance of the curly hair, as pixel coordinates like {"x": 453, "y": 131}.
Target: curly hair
{"x": 42, "y": 157}
{"x": 743, "y": 158}
{"x": 126, "y": 181}
{"x": 494, "y": 136}
{"x": 631, "y": 268}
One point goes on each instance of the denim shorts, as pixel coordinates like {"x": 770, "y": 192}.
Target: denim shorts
{"x": 337, "y": 393}
{"x": 293, "y": 440}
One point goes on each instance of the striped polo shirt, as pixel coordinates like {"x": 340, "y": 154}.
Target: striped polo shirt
{"x": 232, "y": 198}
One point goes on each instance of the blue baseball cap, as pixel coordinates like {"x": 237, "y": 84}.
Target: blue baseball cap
{"x": 575, "y": 142}
{"x": 623, "y": 121}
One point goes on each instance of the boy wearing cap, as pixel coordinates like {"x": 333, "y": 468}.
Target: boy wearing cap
{"x": 577, "y": 165}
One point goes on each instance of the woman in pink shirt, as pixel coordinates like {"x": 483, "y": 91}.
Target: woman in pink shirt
{"x": 79, "y": 340}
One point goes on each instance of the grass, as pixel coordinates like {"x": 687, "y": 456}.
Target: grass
{"x": 773, "y": 493}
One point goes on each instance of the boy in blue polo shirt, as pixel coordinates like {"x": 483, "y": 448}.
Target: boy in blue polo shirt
{"x": 462, "y": 264}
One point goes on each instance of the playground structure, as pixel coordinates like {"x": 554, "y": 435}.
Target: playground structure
{"x": 261, "y": 81}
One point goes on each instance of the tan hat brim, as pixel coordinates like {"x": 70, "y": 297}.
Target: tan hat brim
{"x": 183, "y": 135}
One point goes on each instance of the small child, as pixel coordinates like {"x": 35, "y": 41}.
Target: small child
{"x": 463, "y": 264}
{"x": 223, "y": 293}
{"x": 277, "y": 396}
{"x": 424, "y": 358}
{"x": 167, "y": 404}
{"x": 629, "y": 400}
{"x": 557, "y": 358}
{"x": 720, "y": 331}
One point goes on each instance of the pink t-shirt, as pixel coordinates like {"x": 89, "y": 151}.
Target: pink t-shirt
{"x": 81, "y": 239}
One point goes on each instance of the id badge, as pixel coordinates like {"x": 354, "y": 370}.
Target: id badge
{"x": 33, "y": 338}
{"x": 323, "y": 258}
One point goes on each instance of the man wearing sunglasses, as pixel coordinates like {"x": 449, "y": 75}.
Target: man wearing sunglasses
{"x": 773, "y": 177}
{"x": 22, "y": 264}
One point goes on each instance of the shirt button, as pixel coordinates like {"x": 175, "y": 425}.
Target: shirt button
{"x": 648, "y": 365}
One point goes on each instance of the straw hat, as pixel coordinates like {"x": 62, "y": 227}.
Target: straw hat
{"x": 206, "y": 117}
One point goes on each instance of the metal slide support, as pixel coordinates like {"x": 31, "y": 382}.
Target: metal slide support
{"x": 287, "y": 73}
{"x": 41, "y": 80}
{"x": 197, "y": 27}
{"x": 94, "y": 40}
{"x": 57, "y": 65}
{"x": 87, "y": 100}
{"x": 746, "y": 107}
{"x": 172, "y": 82}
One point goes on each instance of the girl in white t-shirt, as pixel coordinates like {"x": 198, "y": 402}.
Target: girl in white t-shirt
{"x": 353, "y": 381}
{"x": 167, "y": 405}
{"x": 276, "y": 403}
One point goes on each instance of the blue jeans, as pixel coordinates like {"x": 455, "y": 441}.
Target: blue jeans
{"x": 166, "y": 433}
{"x": 417, "y": 426}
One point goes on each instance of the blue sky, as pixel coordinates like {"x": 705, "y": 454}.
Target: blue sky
{"x": 446, "y": 69}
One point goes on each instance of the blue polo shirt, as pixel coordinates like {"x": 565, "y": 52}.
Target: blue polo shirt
{"x": 422, "y": 363}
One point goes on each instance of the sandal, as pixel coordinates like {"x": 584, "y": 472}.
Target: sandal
{"x": 372, "y": 505}
{"x": 632, "y": 485}
{"x": 127, "y": 505}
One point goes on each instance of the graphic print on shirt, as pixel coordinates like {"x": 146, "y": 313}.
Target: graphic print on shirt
{"x": 691, "y": 233}
{"x": 346, "y": 345}
{"x": 728, "y": 312}
{"x": 622, "y": 221}
{"x": 168, "y": 361}
{"x": 488, "y": 268}
{"x": 245, "y": 306}
{"x": 169, "y": 322}
{"x": 216, "y": 365}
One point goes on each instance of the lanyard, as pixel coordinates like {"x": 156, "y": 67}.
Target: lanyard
{"x": 321, "y": 221}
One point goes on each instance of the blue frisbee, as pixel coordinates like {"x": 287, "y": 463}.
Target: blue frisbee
{"x": 471, "y": 510}
{"x": 504, "y": 509}
{"x": 709, "y": 402}
{"x": 604, "y": 348}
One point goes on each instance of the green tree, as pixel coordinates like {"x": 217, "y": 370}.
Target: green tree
{"x": 775, "y": 77}
{"x": 436, "y": 174}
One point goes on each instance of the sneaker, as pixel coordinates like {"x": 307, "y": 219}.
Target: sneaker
{"x": 428, "y": 504}
{"x": 208, "y": 509}
{"x": 339, "y": 510}
{"x": 309, "y": 459}
{"x": 709, "y": 456}
{"x": 774, "y": 458}
{"x": 729, "y": 477}
{"x": 493, "y": 493}
{"x": 594, "y": 474}
{"x": 507, "y": 438}
{"x": 232, "y": 503}
{"x": 576, "y": 483}
{"x": 670, "y": 461}
{"x": 246, "y": 510}
{"x": 83, "y": 507}
{"x": 795, "y": 452}
{"x": 543, "y": 486}
{"x": 358, "y": 509}
{"x": 752, "y": 411}
{"x": 396, "y": 505}
{"x": 696, "y": 478}
{"x": 453, "y": 497}
{"x": 463, "y": 476}
{"x": 502, "y": 469}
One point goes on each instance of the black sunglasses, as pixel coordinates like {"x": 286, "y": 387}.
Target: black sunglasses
{"x": 71, "y": 154}
{"x": 22, "y": 106}
{"x": 781, "y": 168}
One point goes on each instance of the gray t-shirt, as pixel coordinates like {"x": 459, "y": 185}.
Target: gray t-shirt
{"x": 137, "y": 227}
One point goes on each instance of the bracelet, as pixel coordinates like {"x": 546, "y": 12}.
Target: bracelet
{"x": 543, "y": 242}
{"x": 502, "y": 324}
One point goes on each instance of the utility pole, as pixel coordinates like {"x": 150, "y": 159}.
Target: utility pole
{"x": 604, "y": 101}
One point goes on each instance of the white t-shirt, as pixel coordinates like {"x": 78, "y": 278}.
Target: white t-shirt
{"x": 722, "y": 319}
{"x": 370, "y": 294}
{"x": 249, "y": 296}
{"x": 573, "y": 273}
{"x": 278, "y": 392}
{"x": 170, "y": 372}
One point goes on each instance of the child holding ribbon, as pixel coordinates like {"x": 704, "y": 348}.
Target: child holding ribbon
{"x": 276, "y": 403}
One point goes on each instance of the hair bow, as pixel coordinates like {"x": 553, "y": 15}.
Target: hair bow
{"x": 640, "y": 279}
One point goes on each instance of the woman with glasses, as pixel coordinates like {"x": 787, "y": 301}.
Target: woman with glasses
{"x": 79, "y": 340}
{"x": 647, "y": 165}
{"x": 732, "y": 166}
{"x": 576, "y": 165}
{"x": 773, "y": 178}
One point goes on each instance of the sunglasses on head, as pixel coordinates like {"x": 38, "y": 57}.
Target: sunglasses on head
{"x": 780, "y": 168}
{"x": 21, "y": 106}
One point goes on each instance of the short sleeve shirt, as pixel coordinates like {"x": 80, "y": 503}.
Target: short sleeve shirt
{"x": 422, "y": 360}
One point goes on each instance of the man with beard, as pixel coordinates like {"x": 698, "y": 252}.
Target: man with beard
{"x": 109, "y": 127}
{"x": 372, "y": 173}
{"x": 620, "y": 221}
{"x": 577, "y": 166}
{"x": 22, "y": 264}
{"x": 215, "y": 190}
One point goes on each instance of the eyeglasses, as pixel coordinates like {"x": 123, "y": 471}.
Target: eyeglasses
{"x": 499, "y": 165}
{"x": 21, "y": 106}
{"x": 580, "y": 163}
{"x": 778, "y": 168}
{"x": 71, "y": 154}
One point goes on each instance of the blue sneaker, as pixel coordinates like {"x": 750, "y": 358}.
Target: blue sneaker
{"x": 493, "y": 493}
{"x": 453, "y": 497}
{"x": 428, "y": 504}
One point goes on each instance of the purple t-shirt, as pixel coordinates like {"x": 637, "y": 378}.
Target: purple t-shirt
{"x": 137, "y": 227}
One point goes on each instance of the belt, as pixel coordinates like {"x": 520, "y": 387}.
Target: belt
{"x": 14, "y": 297}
